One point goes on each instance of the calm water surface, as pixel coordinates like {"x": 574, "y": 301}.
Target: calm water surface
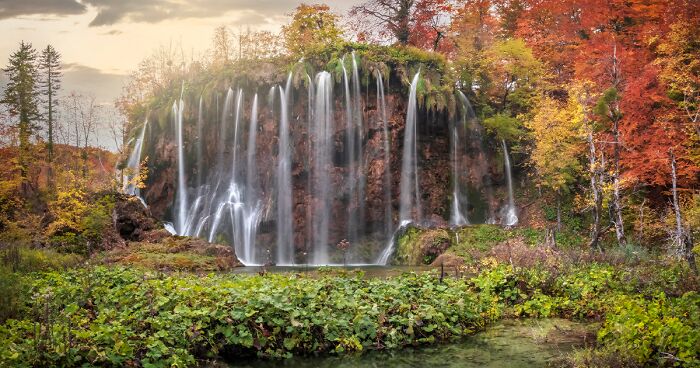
{"x": 508, "y": 343}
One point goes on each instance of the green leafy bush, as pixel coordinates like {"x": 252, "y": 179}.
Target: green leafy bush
{"x": 116, "y": 316}
{"x": 656, "y": 332}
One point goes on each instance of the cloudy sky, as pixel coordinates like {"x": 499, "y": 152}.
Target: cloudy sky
{"x": 102, "y": 40}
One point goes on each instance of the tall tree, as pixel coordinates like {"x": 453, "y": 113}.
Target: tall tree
{"x": 391, "y": 17}
{"x": 558, "y": 135}
{"x": 50, "y": 83}
{"x": 312, "y": 28}
{"x": 222, "y": 46}
{"x": 421, "y": 23}
{"x": 21, "y": 97}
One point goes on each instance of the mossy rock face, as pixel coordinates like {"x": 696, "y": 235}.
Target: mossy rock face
{"x": 177, "y": 253}
{"x": 416, "y": 246}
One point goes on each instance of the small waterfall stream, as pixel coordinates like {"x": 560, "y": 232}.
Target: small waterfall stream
{"x": 510, "y": 217}
{"x": 133, "y": 165}
{"x": 409, "y": 198}
{"x": 181, "y": 199}
{"x": 388, "y": 208}
{"x": 323, "y": 127}
{"x": 285, "y": 232}
{"x": 460, "y": 204}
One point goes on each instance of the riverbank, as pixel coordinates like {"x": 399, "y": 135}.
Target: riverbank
{"x": 110, "y": 315}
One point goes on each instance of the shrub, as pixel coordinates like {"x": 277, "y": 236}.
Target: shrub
{"x": 117, "y": 316}
{"x": 660, "y": 331}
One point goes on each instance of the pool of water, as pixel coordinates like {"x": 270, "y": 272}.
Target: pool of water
{"x": 508, "y": 343}
{"x": 369, "y": 270}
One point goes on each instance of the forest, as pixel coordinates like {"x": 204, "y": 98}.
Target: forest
{"x": 502, "y": 183}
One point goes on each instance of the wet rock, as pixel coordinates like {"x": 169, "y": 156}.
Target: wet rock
{"x": 131, "y": 219}
{"x": 417, "y": 246}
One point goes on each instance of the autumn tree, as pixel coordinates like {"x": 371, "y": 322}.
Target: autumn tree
{"x": 421, "y": 23}
{"x": 21, "y": 97}
{"x": 256, "y": 45}
{"x": 312, "y": 28}
{"x": 431, "y": 22}
{"x": 558, "y": 134}
{"x": 50, "y": 83}
{"x": 158, "y": 73}
{"x": 681, "y": 70}
{"x": 222, "y": 46}
{"x": 608, "y": 109}
{"x": 508, "y": 85}
{"x": 82, "y": 116}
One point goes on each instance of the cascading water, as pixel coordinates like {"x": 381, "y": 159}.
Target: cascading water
{"x": 243, "y": 187}
{"x": 322, "y": 133}
{"x": 409, "y": 197}
{"x": 357, "y": 218}
{"x": 285, "y": 232}
{"x": 251, "y": 208}
{"x": 181, "y": 199}
{"x": 134, "y": 166}
{"x": 510, "y": 216}
{"x": 381, "y": 105}
{"x": 200, "y": 138}
{"x": 460, "y": 203}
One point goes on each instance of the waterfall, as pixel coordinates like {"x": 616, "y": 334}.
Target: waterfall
{"x": 308, "y": 245}
{"x": 224, "y": 128}
{"x": 252, "y": 141}
{"x": 357, "y": 218}
{"x": 181, "y": 199}
{"x": 322, "y": 128}
{"x": 261, "y": 162}
{"x": 350, "y": 154}
{"x": 200, "y": 138}
{"x": 134, "y": 166}
{"x": 234, "y": 147}
{"x": 381, "y": 105}
{"x": 460, "y": 204}
{"x": 285, "y": 235}
{"x": 252, "y": 203}
{"x": 510, "y": 216}
{"x": 409, "y": 198}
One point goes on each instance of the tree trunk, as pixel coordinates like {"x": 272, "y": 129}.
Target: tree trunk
{"x": 595, "y": 191}
{"x": 50, "y": 123}
{"x": 616, "y": 200}
{"x": 682, "y": 239}
{"x": 640, "y": 235}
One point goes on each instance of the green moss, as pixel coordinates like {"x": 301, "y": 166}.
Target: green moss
{"x": 420, "y": 246}
{"x": 477, "y": 237}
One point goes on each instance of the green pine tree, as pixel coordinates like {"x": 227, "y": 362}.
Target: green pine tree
{"x": 21, "y": 97}
{"x": 50, "y": 83}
